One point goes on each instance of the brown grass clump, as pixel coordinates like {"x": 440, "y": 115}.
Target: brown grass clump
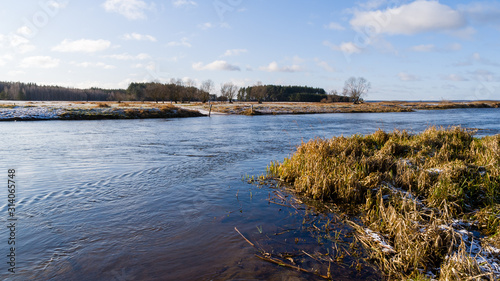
{"x": 412, "y": 189}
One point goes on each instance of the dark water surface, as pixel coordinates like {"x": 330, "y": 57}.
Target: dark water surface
{"x": 159, "y": 199}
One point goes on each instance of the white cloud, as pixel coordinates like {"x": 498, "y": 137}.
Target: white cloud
{"x": 25, "y": 31}
{"x": 345, "y": 47}
{"x": 94, "y": 64}
{"x": 131, "y": 9}
{"x": 274, "y": 67}
{"x": 16, "y": 40}
{"x": 454, "y": 77}
{"x": 58, "y": 4}
{"x": 126, "y": 56}
{"x": 82, "y": 45}
{"x": 408, "y": 77}
{"x": 216, "y": 65}
{"x": 105, "y": 66}
{"x": 180, "y": 3}
{"x": 149, "y": 66}
{"x": 454, "y": 47}
{"x": 483, "y": 75}
{"x": 4, "y": 59}
{"x": 416, "y": 17}
{"x": 424, "y": 48}
{"x": 297, "y": 60}
{"x": 25, "y": 48}
{"x": 16, "y": 72}
{"x": 183, "y": 43}
{"x": 334, "y": 26}
{"x": 39, "y": 62}
{"x": 476, "y": 58}
{"x": 433, "y": 48}
{"x": 139, "y": 37}
{"x": 205, "y": 26}
{"x": 234, "y": 52}
{"x": 18, "y": 43}
{"x": 324, "y": 65}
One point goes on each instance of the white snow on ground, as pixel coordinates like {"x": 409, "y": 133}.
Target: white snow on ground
{"x": 486, "y": 256}
{"x": 386, "y": 248}
{"x": 435, "y": 171}
{"x": 30, "y": 113}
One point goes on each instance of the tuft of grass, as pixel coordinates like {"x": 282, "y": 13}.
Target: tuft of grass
{"x": 410, "y": 188}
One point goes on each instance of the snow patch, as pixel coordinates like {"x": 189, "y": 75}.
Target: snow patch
{"x": 42, "y": 113}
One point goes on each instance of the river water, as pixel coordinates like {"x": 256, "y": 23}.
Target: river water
{"x": 159, "y": 199}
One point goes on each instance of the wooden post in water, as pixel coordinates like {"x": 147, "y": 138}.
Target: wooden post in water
{"x": 210, "y": 110}
{"x": 251, "y": 109}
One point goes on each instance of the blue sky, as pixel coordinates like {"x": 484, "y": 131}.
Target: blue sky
{"x": 408, "y": 50}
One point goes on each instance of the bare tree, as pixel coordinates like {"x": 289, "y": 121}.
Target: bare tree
{"x": 228, "y": 90}
{"x": 177, "y": 93}
{"x": 356, "y": 88}
{"x": 206, "y": 88}
{"x": 153, "y": 91}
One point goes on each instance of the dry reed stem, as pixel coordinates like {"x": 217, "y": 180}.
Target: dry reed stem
{"x": 283, "y": 263}
{"x": 248, "y": 241}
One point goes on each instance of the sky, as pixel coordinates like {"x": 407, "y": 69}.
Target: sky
{"x": 407, "y": 50}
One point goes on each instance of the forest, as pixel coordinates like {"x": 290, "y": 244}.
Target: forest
{"x": 34, "y": 92}
{"x": 288, "y": 93}
{"x": 176, "y": 90}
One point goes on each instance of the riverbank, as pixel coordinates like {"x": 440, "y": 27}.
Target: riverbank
{"x": 274, "y": 108}
{"x": 32, "y": 111}
{"x": 29, "y": 111}
{"x": 429, "y": 203}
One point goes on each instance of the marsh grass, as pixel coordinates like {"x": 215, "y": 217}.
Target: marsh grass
{"x": 411, "y": 189}
{"x": 103, "y": 105}
{"x": 164, "y": 111}
{"x": 368, "y": 107}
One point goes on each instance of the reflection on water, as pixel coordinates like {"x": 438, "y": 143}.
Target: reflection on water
{"x": 159, "y": 199}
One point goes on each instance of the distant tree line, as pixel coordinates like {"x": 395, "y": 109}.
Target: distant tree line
{"x": 34, "y": 92}
{"x": 261, "y": 93}
{"x": 175, "y": 91}
{"x": 178, "y": 90}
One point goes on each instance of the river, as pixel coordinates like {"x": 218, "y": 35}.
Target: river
{"x": 159, "y": 199}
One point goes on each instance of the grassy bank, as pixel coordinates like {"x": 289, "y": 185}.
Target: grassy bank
{"x": 244, "y": 108}
{"x": 104, "y": 111}
{"x": 429, "y": 203}
{"x": 27, "y": 110}
{"x": 31, "y": 111}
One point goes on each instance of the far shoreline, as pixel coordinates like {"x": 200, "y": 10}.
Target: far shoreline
{"x": 78, "y": 110}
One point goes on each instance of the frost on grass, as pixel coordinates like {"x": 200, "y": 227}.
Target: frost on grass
{"x": 29, "y": 113}
{"x": 91, "y": 111}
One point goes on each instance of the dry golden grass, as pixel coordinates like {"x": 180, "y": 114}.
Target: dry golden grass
{"x": 411, "y": 188}
{"x": 103, "y": 105}
{"x": 368, "y": 107}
